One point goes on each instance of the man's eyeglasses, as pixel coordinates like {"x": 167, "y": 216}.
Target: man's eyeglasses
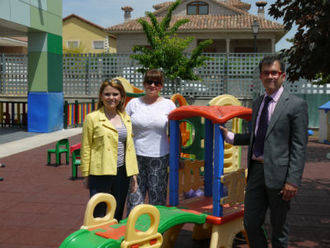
{"x": 272, "y": 73}
{"x": 156, "y": 83}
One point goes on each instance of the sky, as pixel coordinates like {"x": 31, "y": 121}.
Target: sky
{"x": 107, "y": 13}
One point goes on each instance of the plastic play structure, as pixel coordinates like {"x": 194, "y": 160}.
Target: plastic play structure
{"x": 131, "y": 90}
{"x": 142, "y": 228}
{"x": 225, "y": 212}
{"x": 218, "y": 214}
{"x": 232, "y": 156}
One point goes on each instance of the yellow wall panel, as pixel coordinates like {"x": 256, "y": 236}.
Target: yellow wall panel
{"x": 77, "y": 30}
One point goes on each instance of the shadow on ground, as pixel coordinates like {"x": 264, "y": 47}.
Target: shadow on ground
{"x": 317, "y": 152}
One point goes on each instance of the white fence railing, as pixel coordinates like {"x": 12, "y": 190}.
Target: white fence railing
{"x": 234, "y": 74}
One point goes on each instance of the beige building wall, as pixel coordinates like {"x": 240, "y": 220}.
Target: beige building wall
{"x": 112, "y": 45}
{"x": 125, "y": 42}
{"x": 214, "y": 9}
{"x": 77, "y": 30}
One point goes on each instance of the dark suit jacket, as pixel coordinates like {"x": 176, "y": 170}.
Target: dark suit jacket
{"x": 285, "y": 141}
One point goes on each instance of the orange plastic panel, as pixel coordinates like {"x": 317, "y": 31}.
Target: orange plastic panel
{"x": 218, "y": 114}
{"x": 225, "y": 219}
{"x": 113, "y": 233}
{"x": 180, "y": 99}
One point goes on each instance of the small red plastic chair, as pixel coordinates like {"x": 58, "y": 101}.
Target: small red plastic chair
{"x": 75, "y": 163}
{"x": 74, "y": 147}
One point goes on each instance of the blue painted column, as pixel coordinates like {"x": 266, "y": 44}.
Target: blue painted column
{"x": 45, "y": 113}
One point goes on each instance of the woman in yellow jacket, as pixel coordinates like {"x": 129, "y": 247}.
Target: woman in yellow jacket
{"x": 108, "y": 158}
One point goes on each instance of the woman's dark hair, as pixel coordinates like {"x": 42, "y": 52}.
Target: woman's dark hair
{"x": 154, "y": 75}
{"x": 114, "y": 83}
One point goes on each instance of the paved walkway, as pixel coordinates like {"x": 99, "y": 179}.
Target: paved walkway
{"x": 40, "y": 205}
{"x": 14, "y": 141}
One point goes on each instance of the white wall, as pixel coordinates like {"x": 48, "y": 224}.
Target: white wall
{"x": 214, "y": 9}
{"x": 125, "y": 42}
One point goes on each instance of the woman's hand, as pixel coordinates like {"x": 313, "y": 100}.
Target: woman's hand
{"x": 86, "y": 183}
{"x": 134, "y": 184}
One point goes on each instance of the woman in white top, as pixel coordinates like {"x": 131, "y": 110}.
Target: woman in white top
{"x": 149, "y": 116}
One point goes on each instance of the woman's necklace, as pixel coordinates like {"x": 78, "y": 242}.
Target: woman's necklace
{"x": 114, "y": 119}
{"x": 110, "y": 115}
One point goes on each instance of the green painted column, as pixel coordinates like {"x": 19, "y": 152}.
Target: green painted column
{"x": 45, "y": 69}
{"x": 41, "y": 20}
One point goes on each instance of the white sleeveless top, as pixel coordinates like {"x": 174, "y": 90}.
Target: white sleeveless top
{"x": 149, "y": 123}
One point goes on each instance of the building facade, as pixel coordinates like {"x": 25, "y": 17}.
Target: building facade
{"x": 84, "y": 36}
{"x": 13, "y": 45}
{"x": 228, "y": 23}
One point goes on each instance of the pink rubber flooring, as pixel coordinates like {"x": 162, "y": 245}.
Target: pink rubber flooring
{"x": 40, "y": 206}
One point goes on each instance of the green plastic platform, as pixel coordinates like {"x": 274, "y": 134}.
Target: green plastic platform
{"x": 169, "y": 217}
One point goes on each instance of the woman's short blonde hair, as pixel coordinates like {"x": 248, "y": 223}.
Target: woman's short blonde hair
{"x": 114, "y": 83}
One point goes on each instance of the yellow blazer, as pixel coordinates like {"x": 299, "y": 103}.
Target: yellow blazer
{"x": 100, "y": 146}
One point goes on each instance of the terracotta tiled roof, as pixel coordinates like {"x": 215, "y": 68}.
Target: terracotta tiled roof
{"x": 240, "y": 5}
{"x": 206, "y": 22}
{"x": 20, "y": 38}
{"x": 13, "y": 41}
{"x": 86, "y": 21}
{"x": 161, "y": 5}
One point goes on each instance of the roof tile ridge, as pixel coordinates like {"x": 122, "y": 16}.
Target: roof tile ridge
{"x": 163, "y": 4}
{"x": 231, "y": 7}
{"x": 83, "y": 19}
{"x": 132, "y": 21}
{"x": 262, "y": 19}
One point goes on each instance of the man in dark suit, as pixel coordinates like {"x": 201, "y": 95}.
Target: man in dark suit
{"x": 276, "y": 155}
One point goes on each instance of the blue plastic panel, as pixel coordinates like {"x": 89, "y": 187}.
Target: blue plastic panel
{"x": 208, "y": 167}
{"x": 45, "y": 111}
{"x": 174, "y": 162}
{"x": 218, "y": 171}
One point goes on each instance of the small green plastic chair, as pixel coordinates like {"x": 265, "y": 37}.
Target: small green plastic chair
{"x": 75, "y": 163}
{"x": 61, "y": 147}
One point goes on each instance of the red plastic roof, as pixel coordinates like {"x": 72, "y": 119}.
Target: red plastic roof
{"x": 218, "y": 114}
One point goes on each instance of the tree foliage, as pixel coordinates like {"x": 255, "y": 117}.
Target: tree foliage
{"x": 309, "y": 56}
{"x": 166, "y": 49}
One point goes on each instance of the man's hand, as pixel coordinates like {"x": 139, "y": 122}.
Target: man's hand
{"x": 288, "y": 192}
{"x": 224, "y": 131}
